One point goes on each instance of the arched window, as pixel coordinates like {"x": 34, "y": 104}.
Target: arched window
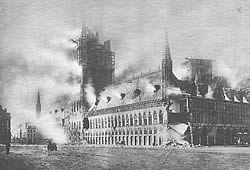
{"x": 149, "y": 118}
{"x": 136, "y": 119}
{"x": 123, "y": 120}
{"x": 115, "y": 121}
{"x": 102, "y": 125}
{"x": 108, "y": 122}
{"x": 140, "y": 119}
{"x": 155, "y": 117}
{"x": 99, "y": 123}
{"x": 119, "y": 121}
{"x": 112, "y": 121}
{"x": 131, "y": 120}
{"x": 160, "y": 116}
{"x": 105, "y": 122}
{"x": 127, "y": 120}
{"x": 90, "y": 124}
{"x": 145, "y": 119}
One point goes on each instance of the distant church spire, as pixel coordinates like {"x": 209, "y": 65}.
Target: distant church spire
{"x": 168, "y": 78}
{"x": 38, "y": 106}
{"x": 167, "y": 48}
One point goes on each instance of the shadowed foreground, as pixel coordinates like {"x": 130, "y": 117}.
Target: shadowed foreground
{"x": 72, "y": 157}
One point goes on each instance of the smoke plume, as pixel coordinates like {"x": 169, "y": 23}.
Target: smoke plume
{"x": 36, "y": 55}
{"x": 90, "y": 94}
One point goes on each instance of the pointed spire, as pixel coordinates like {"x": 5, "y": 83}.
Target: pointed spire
{"x": 38, "y": 105}
{"x": 38, "y": 97}
{"x": 167, "y": 49}
{"x": 84, "y": 28}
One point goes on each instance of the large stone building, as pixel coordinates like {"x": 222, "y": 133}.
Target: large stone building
{"x": 5, "y": 126}
{"x": 157, "y": 107}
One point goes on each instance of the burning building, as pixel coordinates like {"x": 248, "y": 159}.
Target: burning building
{"x": 97, "y": 61}
{"x": 157, "y": 107}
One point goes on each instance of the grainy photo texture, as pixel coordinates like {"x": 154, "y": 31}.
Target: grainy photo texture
{"x": 124, "y": 84}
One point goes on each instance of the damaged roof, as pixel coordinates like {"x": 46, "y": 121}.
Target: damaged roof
{"x": 132, "y": 91}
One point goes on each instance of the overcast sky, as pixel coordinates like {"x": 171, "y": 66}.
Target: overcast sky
{"x": 34, "y": 40}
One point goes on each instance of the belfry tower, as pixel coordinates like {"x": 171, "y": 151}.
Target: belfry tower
{"x": 38, "y": 106}
{"x": 97, "y": 61}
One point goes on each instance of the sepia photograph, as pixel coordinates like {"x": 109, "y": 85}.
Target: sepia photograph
{"x": 124, "y": 84}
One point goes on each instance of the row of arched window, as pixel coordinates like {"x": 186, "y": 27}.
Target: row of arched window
{"x": 123, "y": 120}
{"x": 224, "y": 118}
{"x": 123, "y": 132}
{"x": 127, "y": 140}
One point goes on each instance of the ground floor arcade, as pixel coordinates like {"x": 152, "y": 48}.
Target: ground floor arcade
{"x": 219, "y": 135}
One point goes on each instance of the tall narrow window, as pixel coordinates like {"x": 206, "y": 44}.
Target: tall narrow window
{"x": 145, "y": 119}
{"x": 102, "y": 121}
{"x": 155, "y": 117}
{"x": 90, "y": 124}
{"x": 140, "y": 119}
{"x": 123, "y": 120}
{"x": 127, "y": 120}
{"x": 105, "y": 123}
{"x": 131, "y": 120}
{"x": 108, "y": 122}
{"x": 160, "y": 116}
{"x": 112, "y": 121}
{"x": 136, "y": 119}
{"x": 115, "y": 121}
{"x": 149, "y": 118}
{"x": 119, "y": 121}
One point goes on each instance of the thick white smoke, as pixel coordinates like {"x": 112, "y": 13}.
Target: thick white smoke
{"x": 90, "y": 94}
{"x": 209, "y": 93}
{"x": 37, "y": 55}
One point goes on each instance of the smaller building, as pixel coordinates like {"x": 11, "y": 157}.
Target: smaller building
{"x": 27, "y": 133}
{"x": 73, "y": 122}
{"x": 31, "y": 134}
{"x": 5, "y": 128}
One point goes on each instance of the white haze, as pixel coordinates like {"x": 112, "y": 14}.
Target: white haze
{"x": 36, "y": 55}
{"x": 90, "y": 94}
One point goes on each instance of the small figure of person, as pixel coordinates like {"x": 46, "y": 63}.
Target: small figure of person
{"x": 7, "y": 145}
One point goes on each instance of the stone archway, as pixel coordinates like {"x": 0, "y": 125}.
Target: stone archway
{"x": 211, "y": 136}
{"x": 228, "y": 136}
{"x": 246, "y": 136}
{"x": 196, "y": 135}
{"x": 234, "y": 136}
{"x": 204, "y": 141}
{"x": 220, "y": 136}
